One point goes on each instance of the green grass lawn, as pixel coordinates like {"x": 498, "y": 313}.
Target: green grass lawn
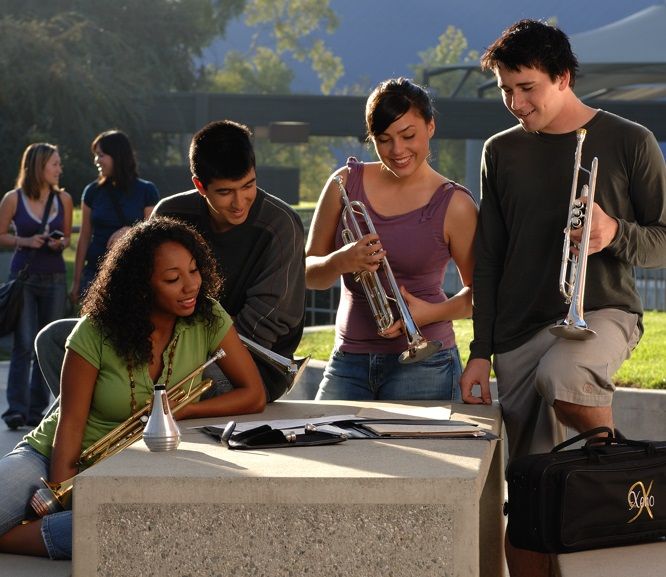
{"x": 645, "y": 369}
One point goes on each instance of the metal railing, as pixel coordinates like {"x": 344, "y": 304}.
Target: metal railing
{"x": 651, "y": 285}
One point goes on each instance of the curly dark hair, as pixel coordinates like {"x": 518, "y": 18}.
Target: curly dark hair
{"x": 120, "y": 299}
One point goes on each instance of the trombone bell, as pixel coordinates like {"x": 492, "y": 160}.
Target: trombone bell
{"x": 293, "y": 370}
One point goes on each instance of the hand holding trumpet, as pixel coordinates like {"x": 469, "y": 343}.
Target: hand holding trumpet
{"x": 603, "y": 229}
{"x": 365, "y": 254}
{"x": 418, "y": 308}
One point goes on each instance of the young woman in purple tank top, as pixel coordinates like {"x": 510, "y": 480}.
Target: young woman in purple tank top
{"x": 44, "y": 290}
{"x": 422, "y": 221}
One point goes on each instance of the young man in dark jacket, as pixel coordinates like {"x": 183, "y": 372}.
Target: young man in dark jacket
{"x": 257, "y": 240}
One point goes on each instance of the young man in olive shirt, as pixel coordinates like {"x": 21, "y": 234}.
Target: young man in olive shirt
{"x": 546, "y": 382}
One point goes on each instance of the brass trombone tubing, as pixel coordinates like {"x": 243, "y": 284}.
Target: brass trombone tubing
{"x": 56, "y": 496}
{"x": 175, "y": 393}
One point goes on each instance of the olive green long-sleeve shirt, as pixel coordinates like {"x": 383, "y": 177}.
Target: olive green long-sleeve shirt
{"x": 526, "y": 187}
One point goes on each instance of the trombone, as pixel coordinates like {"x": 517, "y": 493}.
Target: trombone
{"x": 292, "y": 370}
{"x": 54, "y": 497}
{"x": 418, "y": 347}
{"x": 574, "y": 267}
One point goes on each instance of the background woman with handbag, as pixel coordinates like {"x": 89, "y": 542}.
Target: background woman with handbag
{"x": 41, "y": 213}
{"x": 109, "y": 205}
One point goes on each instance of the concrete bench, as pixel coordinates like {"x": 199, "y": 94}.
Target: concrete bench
{"x": 645, "y": 560}
{"x": 418, "y": 507}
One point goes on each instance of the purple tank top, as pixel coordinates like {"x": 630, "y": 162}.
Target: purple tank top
{"x": 418, "y": 256}
{"x": 27, "y": 224}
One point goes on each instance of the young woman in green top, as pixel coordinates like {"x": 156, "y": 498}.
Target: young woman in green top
{"x": 149, "y": 317}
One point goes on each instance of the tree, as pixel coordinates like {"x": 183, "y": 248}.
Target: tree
{"x": 449, "y": 155}
{"x": 71, "y": 68}
{"x": 284, "y": 29}
{"x": 294, "y": 25}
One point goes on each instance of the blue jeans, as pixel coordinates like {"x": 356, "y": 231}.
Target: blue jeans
{"x": 43, "y": 301}
{"x": 20, "y": 473}
{"x": 364, "y": 377}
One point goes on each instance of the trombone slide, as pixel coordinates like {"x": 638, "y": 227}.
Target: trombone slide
{"x": 54, "y": 497}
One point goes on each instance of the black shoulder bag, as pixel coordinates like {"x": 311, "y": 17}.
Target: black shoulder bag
{"x": 608, "y": 493}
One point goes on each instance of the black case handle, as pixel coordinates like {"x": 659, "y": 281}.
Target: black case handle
{"x": 585, "y": 435}
{"x": 612, "y": 438}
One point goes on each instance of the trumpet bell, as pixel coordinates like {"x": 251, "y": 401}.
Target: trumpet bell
{"x": 573, "y": 331}
{"x": 419, "y": 352}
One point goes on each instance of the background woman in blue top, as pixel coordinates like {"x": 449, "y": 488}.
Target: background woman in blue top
{"x": 44, "y": 290}
{"x": 116, "y": 200}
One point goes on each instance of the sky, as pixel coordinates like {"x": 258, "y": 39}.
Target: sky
{"x": 379, "y": 39}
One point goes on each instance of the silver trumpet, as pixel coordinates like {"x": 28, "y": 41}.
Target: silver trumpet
{"x": 574, "y": 267}
{"x": 418, "y": 347}
{"x": 293, "y": 370}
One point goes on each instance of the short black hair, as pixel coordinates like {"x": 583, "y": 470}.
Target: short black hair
{"x": 533, "y": 44}
{"x": 221, "y": 150}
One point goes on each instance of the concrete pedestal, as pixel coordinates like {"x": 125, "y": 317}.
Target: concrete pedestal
{"x": 645, "y": 560}
{"x": 418, "y": 507}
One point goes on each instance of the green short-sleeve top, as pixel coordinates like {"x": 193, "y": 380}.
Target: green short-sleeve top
{"x": 111, "y": 401}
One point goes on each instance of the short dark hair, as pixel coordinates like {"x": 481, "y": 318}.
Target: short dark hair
{"x": 117, "y": 145}
{"x": 221, "y": 149}
{"x": 390, "y": 100}
{"x": 533, "y": 44}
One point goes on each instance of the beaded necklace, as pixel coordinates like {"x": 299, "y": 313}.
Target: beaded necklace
{"x": 172, "y": 350}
